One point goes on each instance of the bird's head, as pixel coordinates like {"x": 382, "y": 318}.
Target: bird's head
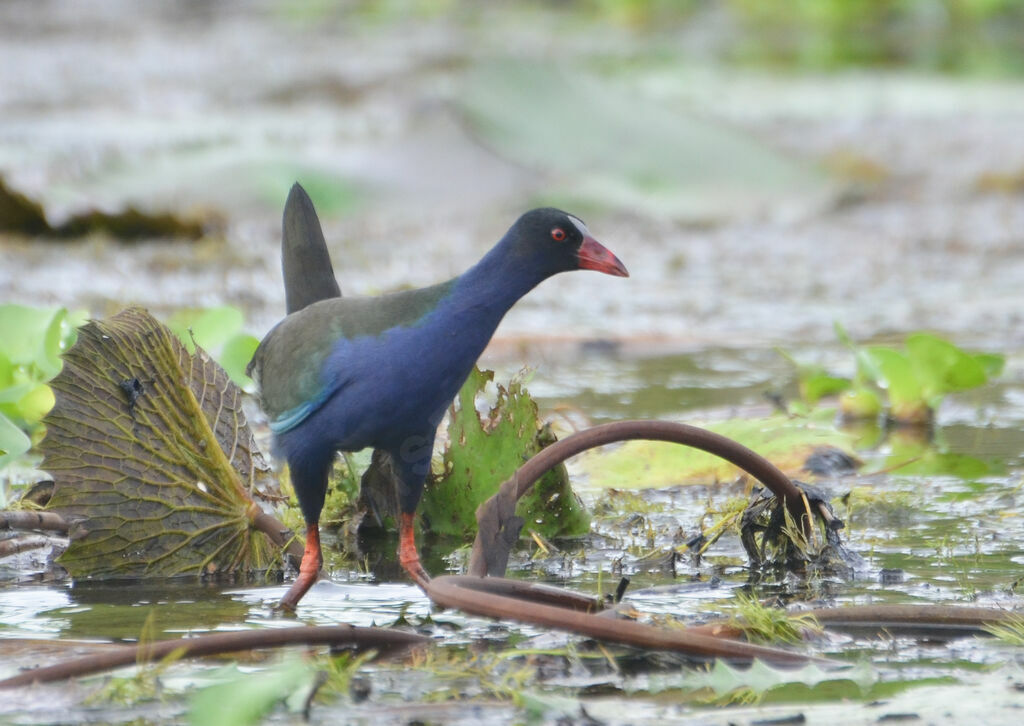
{"x": 561, "y": 242}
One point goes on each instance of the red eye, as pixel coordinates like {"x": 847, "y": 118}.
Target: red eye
{"x": 558, "y": 234}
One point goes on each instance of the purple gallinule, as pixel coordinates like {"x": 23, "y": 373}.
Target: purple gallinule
{"x": 343, "y": 374}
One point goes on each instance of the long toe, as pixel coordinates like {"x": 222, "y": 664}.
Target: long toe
{"x": 417, "y": 573}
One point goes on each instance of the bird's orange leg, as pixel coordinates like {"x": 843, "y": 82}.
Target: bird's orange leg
{"x": 408, "y": 556}
{"x": 309, "y": 569}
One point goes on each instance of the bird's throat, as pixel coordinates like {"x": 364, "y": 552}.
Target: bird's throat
{"x": 499, "y": 280}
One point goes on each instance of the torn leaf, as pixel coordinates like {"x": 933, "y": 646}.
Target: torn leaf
{"x": 151, "y": 456}
{"x": 483, "y": 451}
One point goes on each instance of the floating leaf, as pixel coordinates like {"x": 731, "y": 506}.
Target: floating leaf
{"x": 11, "y": 398}
{"x": 483, "y": 452}
{"x": 930, "y": 369}
{"x": 235, "y": 356}
{"x": 49, "y": 362}
{"x": 35, "y": 403}
{"x": 643, "y": 464}
{"x": 31, "y": 343}
{"x": 816, "y": 383}
{"x": 992, "y": 363}
{"x": 151, "y": 456}
{"x": 244, "y": 698}
{"x": 760, "y": 678}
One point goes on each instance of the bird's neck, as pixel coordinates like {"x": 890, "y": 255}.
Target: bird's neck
{"x": 467, "y": 317}
{"x": 496, "y": 282}
{"x": 449, "y": 339}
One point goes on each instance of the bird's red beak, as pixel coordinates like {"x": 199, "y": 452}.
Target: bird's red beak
{"x": 595, "y": 256}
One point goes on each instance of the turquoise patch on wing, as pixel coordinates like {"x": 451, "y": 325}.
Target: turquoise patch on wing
{"x": 290, "y": 419}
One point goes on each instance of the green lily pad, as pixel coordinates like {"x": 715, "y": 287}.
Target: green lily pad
{"x": 644, "y": 464}
{"x": 25, "y": 332}
{"x": 944, "y": 368}
{"x": 34, "y": 403}
{"x": 759, "y": 678}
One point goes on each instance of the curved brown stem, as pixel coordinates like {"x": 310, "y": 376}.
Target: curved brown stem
{"x": 215, "y": 643}
{"x": 461, "y": 593}
{"x": 280, "y": 535}
{"x": 498, "y": 529}
{"x": 529, "y": 591}
{"x": 933, "y": 621}
{"x": 496, "y": 517}
{"x": 953, "y": 620}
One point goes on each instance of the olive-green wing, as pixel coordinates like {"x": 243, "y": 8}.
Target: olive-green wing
{"x": 289, "y": 364}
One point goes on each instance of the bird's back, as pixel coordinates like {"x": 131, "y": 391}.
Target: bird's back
{"x": 289, "y": 363}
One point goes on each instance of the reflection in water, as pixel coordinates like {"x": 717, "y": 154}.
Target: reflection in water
{"x": 31, "y": 611}
{"x": 116, "y": 611}
{"x": 353, "y": 603}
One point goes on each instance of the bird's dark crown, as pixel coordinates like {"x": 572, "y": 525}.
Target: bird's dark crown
{"x": 543, "y": 223}
{"x": 550, "y": 235}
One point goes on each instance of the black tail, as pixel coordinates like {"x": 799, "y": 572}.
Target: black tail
{"x": 308, "y": 275}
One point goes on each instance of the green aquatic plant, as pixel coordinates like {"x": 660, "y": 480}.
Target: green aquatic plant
{"x": 724, "y": 518}
{"x": 142, "y": 685}
{"x": 1010, "y": 631}
{"x": 483, "y": 451}
{"x": 913, "y": 379}
{"x": 929, "y": 368}
{"x": 31, "y": 343}
{"x": 243, "y": 698}
{"x": 460, "y": 676}
{"x": 219, "y": 331}
{"x": 763, "y": 624}
{"x": 724, "y": 684}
